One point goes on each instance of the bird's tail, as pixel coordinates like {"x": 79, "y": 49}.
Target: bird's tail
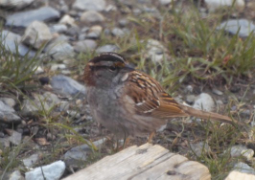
{"x": 207, "y": 115}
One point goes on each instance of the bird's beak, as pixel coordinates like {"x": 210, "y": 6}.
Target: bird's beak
{"x": 129, "y": 66}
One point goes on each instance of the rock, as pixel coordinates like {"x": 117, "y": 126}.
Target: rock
{"x": 66, "y": 72}
{"x": 17, "y": 4}
{"x": 60, "y": 50}
{"x": 137, "y": 11}
{"x": 107, "y": 48}
{"x": 73, "y": 31}
{"x": 67, "y": 20}
{"x": 190, "y": 98}
{"x": 96, "y": 5}
{"x": 58, "y": 28}
{"x": 240, "y": 150}
{"x": 23, "y": 19}
{"x": 241, "y": 171}
{"x": 85, "y": 45}
{"x": 74, "y": 114}
{"x": 94, "y": 32}
{"x": 153, "y": 11}
{"x": 11, "y": 41}
{"x": 217, "y": 92}
{"x": 39, "y": 70}
{"x": 219, "y": 104}
{"x": 241, "y": 26}
{"x": 44, "y": 102}
{"x": 205, "y": 102}
{"x": 120, "y": 32}
{"x": 8, "y": 101}
{"x": 2, "y": 135}
{"x": 16, "y": 175}
{"x": 37, "y": 34}
{"x": 155, "y": 51}
{"x": 80, "y": 153}
{"x": 15, "y": 137}
{"x": 30, "y": 144}
{"x": 55, "y": 67}
{"x": 200, "y": 148}
{"x": 123, "y": 22}
{"x": 215, "y": 4}
{"x": 53, "y": 171}
{"x": 62, "y": 38}
{"x": 31, "y": 160}
{"x": 244, "y": 168}
{"x": 7, "y": 114}
{"x": 5, "y": 142}
{"x": 67, "y": 85}
{"x": 110, "y": 7}
{"x": 63, "y": 6}
{"x": 235, "y": 175}
{"x": 246, "y": 112}
{"x": 189, "y": 89}
{"x": 92, "y": 16}
{"x": 165, "y": 2}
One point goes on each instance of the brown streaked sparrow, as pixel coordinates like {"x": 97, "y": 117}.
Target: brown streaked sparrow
{"x": 130, "y": 102}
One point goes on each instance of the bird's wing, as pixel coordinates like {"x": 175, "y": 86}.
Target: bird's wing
{"x": 147, "y": 97}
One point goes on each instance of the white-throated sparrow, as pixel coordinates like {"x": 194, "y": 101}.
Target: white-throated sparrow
{"x": 130, "y": 102}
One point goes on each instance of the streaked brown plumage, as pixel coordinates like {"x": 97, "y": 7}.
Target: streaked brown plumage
{"x": 130, "y": 102}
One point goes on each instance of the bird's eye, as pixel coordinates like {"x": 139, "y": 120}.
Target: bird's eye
{"x": 112, "y": 68}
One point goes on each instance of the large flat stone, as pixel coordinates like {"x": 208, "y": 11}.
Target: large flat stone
{"x": 23, "y": 19}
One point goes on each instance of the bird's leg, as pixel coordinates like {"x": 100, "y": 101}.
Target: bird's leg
{"x": 151, "y": 137}
{"x": 119, "y": 146}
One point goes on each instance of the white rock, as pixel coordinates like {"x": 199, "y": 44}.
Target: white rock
{"x": 15, "y": 3}
{"x": 190, "y": 98}
{"x": 165, "y": 2}
{"x": 85, "y": 45}
{"x": 154, "y": 51}
{"x": 189, "y": 89}
{"x": 16, "y": 175}
{"x": 110, "y": 7}
{"x": 68, "y": 20}
{"x": 92, "y": 16}
{"x": 55, "y": 67}
{"x": 53, "y": 171}
{"x": 107, "y": 48}
{"x": 95, "y": 31}
{"x": 240, "y": 150}
{"x": 242, "y": 27}
{"x": 39, "y": 70}
{"x": 96, "y": 5}
{"x": 215, "y": 4}
{"x": 205, "y": 102}
{"x": 216, "y": 91}
{"x": 9, "y": 101}
{"x": 120, "y": 32}
{"x": 37, "y": 34}
{"x": 235, "y": 175}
